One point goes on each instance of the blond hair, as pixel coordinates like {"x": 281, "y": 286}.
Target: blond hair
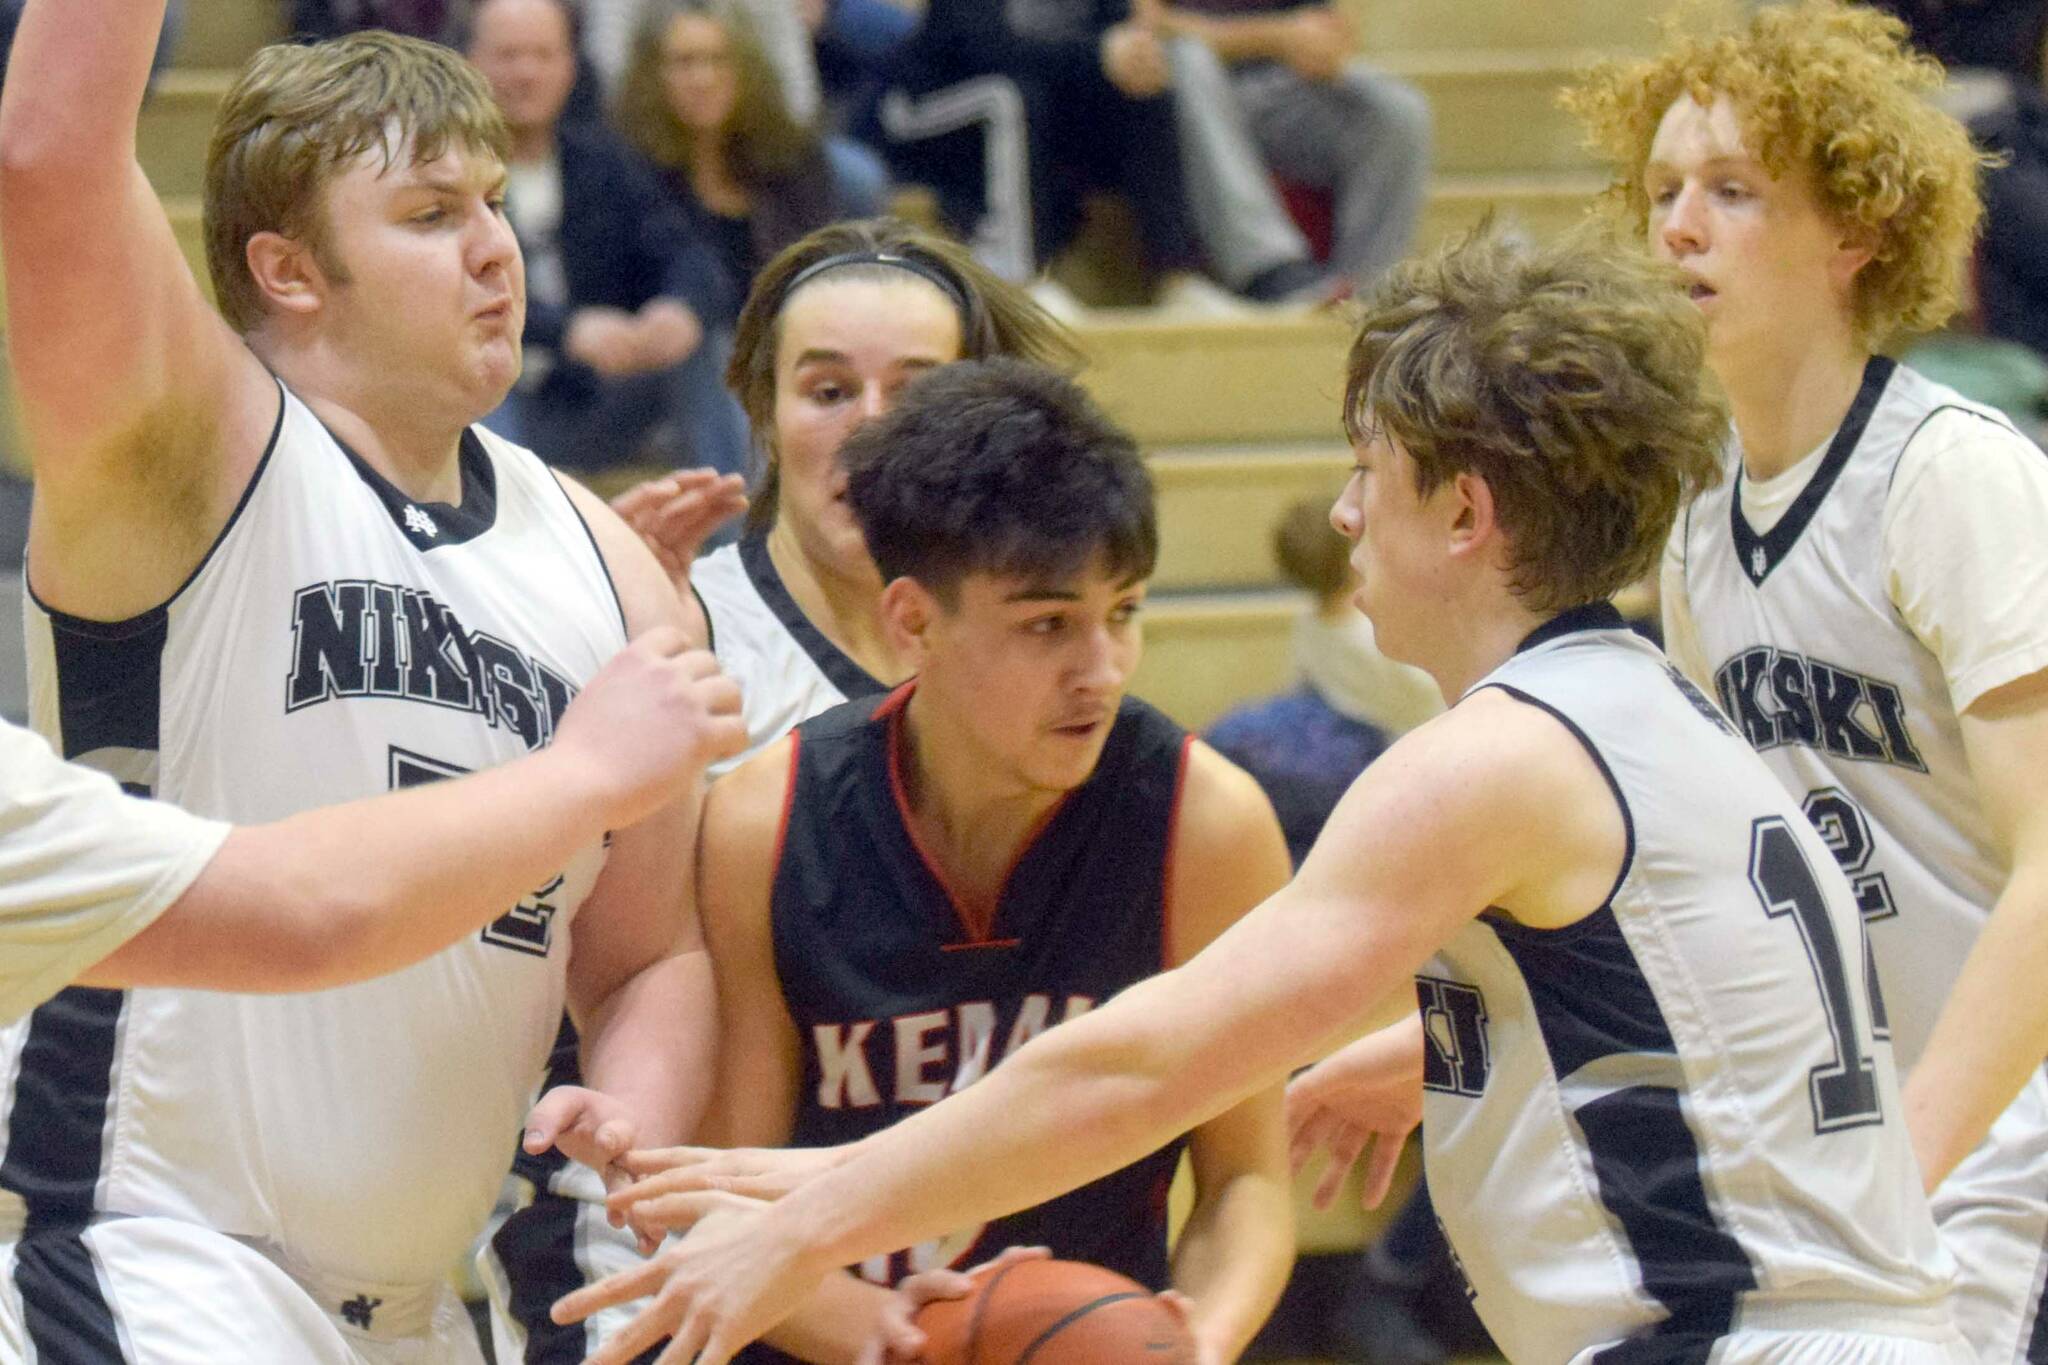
{"x": 1569, "y": 377}
{"x": 1832, "y": 91}
{"x": 298, "y": 115}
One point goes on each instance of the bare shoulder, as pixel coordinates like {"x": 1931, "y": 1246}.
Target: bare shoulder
{"x": 1228, "y": 851}
{"x": 747, "y": 803}
{"x": 646, "y": 595}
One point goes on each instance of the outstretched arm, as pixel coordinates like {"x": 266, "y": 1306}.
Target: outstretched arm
{"x": 145, "y": 415}
{"x": 1492, "y": 804}
{"x": 296, "y": 905}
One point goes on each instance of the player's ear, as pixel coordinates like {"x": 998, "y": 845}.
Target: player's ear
{"x": 1471, "y": 512}
{"x": 286, "y": 273}
{"x": 908, "y": 611}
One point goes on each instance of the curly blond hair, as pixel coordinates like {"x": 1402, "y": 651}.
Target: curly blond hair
{"x": 1827, "y": 89}
{"x": 1571, "y": 377}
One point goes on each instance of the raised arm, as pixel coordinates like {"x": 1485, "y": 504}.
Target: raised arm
{"x": 144, "y": 413}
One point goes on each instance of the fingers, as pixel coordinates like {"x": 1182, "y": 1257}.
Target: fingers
{"x": 657, "y": 1160}
{"x": 609, "y": 1292}
{"x": 1011, "y": 1255}
{"x": 557, "y": 1110}
{"x": 1310, "y": 1130}
{"x": 662, "y": 1214}
{"x": 1345, "y": 1145}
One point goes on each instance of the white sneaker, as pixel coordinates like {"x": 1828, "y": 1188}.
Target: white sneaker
{"x": 1194, "y": 296}
{"x": 1056, "y": 299}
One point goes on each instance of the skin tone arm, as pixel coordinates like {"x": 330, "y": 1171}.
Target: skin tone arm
{"x": 1493, "y": 803}
{"x": 144, "y": 413}
{"x": 295, "y": 906}
{"x": 1314, "y": 40}
{"x": 1970, "y": 1073}
{"x": 1237, "y": 1246}
{"x": 639, "y": 980}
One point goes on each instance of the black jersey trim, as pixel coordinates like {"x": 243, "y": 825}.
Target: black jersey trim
{"x": 1168, "y": 941}
{"x": 1570, "y": 621}
{"x": 841, "y": 671}
{"x": 602, "y": 565}
{"x": 83, "y": 625}
{"x": 1628, "y": 819}
{"x": 64, "y": 1310}
{"x": 1757, "y": 555}
{"x": 436, "y": 525}
{"x": 710, "y": 626}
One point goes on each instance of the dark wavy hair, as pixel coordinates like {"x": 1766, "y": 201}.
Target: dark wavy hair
{"x": 1002, "y": 467}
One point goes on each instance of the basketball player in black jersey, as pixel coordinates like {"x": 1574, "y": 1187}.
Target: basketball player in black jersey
{"x": 899, "y": 895}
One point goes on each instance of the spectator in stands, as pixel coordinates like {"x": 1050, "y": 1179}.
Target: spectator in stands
{"x": 1307, "y": 746}
{"x": 2012, "y": 261}
{"x": 617, "y": 365}
{"x": 1318, "y": 117}
{"x": 784, "y": 31}
{"x": 1010, "y": 109}
{"x": 700, "y": 101}
{"x": 440, "y": 21}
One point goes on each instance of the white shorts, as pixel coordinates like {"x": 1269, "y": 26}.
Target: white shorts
{"x": 1993, "y": 1215}
{"x": 160, "y": 1291}
{"x": 556, "y": 1241}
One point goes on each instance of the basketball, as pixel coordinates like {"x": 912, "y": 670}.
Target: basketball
{"x": 1054, "y": 1313}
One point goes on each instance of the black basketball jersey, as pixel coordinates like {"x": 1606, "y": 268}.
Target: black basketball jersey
{"x": 898, "y": 1001}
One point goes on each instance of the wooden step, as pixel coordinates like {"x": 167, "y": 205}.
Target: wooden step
{"x": 1218, "y": 508}
{"x": 1392, "y": 26}
{"x": 175, "y": 127}
{"x": 1542, "y": 205}
{"x": 1187, "y": 383}
{"x": 1497, "y": 111}
{"x": 1205, "y": 653}
{"x": 223, "y": 33}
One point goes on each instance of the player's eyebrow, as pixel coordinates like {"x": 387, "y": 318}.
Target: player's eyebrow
{"x": 1042, "y": 593}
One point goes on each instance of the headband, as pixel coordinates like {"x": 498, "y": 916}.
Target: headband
{"x": 922, "y": 269}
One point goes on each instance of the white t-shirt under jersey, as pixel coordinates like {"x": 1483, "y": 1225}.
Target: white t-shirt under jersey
{"x": 83, "y": 868}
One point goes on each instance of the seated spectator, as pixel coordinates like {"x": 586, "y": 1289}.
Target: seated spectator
{"x": 1011, "y": 109}
{"x": 1318, "y": 116}
{"x": 700, "y": 101}
{"x": 2012, "y": 259}
{"x": 1307, "y": 746}
{"x": 617, "y": 369}
{"x": 440, "y": 21}
{"x": 784, "y": 31}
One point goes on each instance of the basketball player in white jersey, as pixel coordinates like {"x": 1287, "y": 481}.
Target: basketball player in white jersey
{"x": 112, "y": 890}
{"x": 836, "y": 326}
{"x": 1648, "y": 1061}
{"x": 1867, "y": 592}
{"x": 274, "y": 566}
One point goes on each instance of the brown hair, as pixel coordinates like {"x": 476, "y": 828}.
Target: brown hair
{"x": 298, "y": 115}
{"x": 1569, "y": 377}
{"x": 997, "y": 319}
{"x": 1310, "y": 552}
{"x": 1830, "y": 90}
{"x": 763, "y": 142}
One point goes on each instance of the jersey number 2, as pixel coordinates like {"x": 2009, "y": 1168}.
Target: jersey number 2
{"x": 1844, "y": 1090}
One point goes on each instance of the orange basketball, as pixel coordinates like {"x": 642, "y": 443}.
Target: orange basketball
{"x": 1054, "y": 1313}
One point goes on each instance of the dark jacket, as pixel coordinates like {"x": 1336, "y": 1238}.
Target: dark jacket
{"x": 2012, "y": 261}
{"x": 622, "y": 242}
{"x": 1053, "y": 40}
{"x": 785, "y": 208}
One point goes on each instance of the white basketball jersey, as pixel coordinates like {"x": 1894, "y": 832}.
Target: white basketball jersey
{"x": 786, "y": 668}
{"x": 340, "y": 640}
{"x": 1814, "y": 666}
{"x": 1671, "y": 1121}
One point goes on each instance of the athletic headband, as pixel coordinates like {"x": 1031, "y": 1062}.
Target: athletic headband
{"x": 921, "y": 269}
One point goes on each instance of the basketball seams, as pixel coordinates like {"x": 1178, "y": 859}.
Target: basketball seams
{"x": 1072, "y": 1316}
